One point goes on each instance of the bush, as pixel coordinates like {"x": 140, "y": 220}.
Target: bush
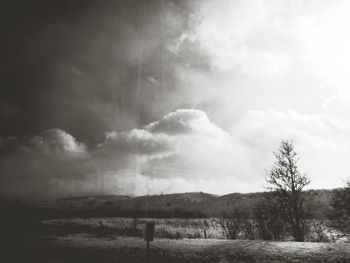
{"x": 269, "y": 222}
{"x": 232, "y": 224}
{"x": 316, "y": 231}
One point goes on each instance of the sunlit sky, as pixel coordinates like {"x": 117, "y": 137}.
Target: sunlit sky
{"x": 149, "y": 97}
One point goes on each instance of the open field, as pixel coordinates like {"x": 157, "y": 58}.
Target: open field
{"x": 32, "y": 235}
{"x": 172, "y": 228}
{"x": 114, "y": 239}
{"x": 91, "y": 248}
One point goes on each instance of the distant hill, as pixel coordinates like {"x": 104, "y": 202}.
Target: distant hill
{"x": 195, "y": 204}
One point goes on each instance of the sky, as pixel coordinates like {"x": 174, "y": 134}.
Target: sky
{"x": 163, "y": 96}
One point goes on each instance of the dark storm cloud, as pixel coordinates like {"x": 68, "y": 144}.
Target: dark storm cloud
{"x": 88, "y": 66}
{"x": 42, "y": 166}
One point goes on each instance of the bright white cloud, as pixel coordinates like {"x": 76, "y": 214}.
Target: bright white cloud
{"x": 182, "y": 144}
{"x": 264, "y": 38}
{"x": 338, "y": 111}
{"x": 325, "y": 43}
{"x": 238, "y": 35}
{"x": 265, "y": 55}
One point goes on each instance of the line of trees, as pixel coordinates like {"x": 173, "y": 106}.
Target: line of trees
{"x": 340, "y": 213}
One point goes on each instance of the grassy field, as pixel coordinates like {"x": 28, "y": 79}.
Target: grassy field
{"x": 115, "y": 239}
{"x": 172, "y": 228}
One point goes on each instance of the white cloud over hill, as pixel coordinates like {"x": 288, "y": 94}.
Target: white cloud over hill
{"x": 183, "y": 151}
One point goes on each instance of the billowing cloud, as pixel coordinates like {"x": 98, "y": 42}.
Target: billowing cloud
{"x": 264, "y": 55}
{"x": 183, "y": 146}
{"x": 172, "y": 146}
{"x": 183, "y": 151}
{"x": 57, "y": 142}
{"x": 196, "y": 143}
{"x": 337, "y": 108}
{"x": 231, "y": 33}
{"x": 182, "y": 122}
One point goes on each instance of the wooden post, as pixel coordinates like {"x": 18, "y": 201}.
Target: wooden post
{"x": 149, "y": 231}
{"x": 147, "y": 251}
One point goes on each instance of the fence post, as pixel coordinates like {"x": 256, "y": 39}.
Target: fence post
{"x": 149, "y": 231}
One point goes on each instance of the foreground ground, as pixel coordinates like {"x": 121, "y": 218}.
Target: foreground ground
{"x": 92, "y": 248}
{"x": 27, "y": 237}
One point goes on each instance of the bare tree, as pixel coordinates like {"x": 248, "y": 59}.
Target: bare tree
{"x": 287, "y": 185}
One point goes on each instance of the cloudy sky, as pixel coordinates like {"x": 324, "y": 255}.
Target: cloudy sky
{"x": 161, "y": 96}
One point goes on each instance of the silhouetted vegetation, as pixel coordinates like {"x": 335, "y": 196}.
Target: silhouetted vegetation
{"x": 287, "y": 185}
{"x": 341, "y": 208}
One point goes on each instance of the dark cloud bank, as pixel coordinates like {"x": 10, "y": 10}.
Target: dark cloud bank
{"x": 87, "y": 66}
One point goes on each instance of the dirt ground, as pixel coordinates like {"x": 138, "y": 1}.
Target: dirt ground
{"x": 89, "y": 248}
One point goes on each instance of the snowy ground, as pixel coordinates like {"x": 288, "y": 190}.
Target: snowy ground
{"x": 90, "y": 248}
